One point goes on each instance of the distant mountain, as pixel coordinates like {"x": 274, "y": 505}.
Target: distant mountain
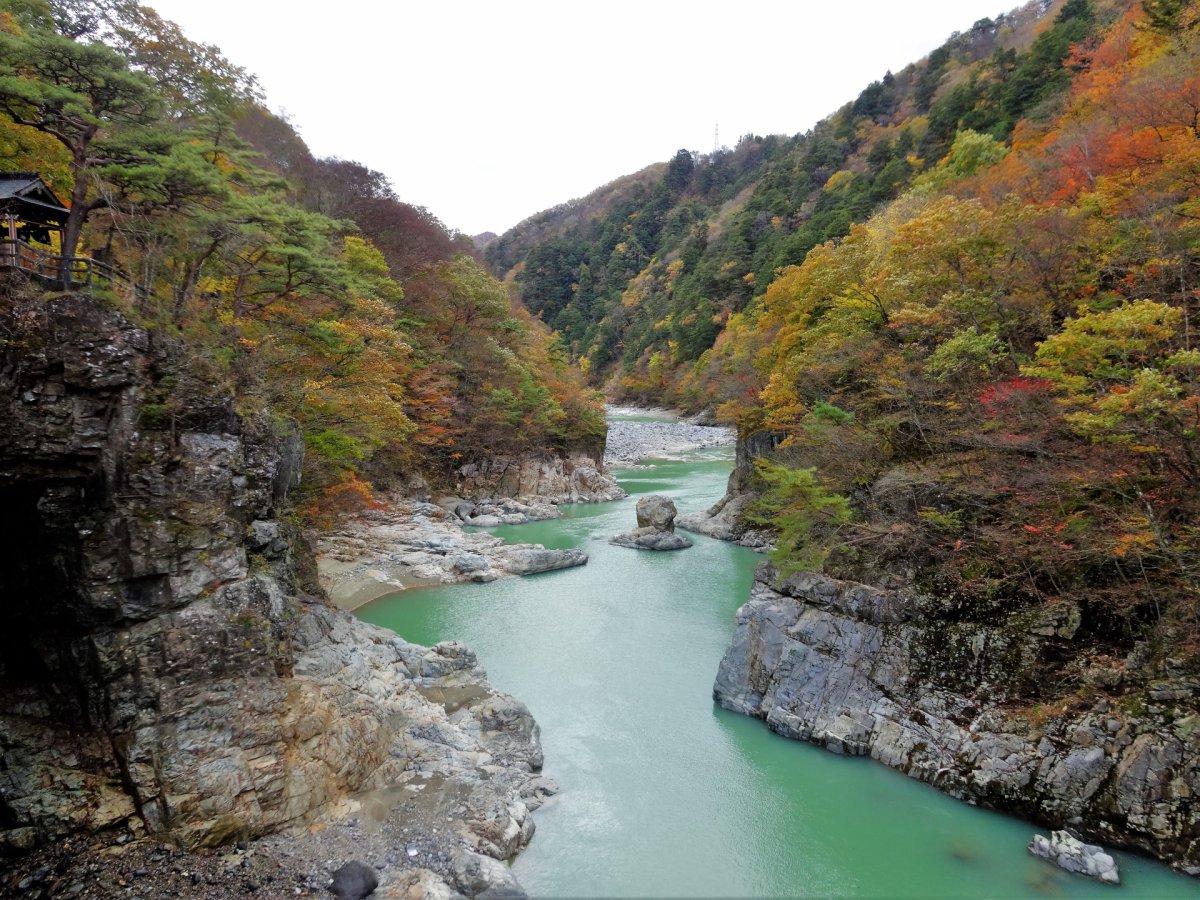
{"x": 483, "y": 239}
{"x": 647, "y": 270}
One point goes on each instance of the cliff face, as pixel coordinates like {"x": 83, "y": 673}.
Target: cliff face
{"x": 725, "y": 519}
{"x": 161, "y": 660}
{"x": 879, "y": 673}
{"x": 573, "y": 477}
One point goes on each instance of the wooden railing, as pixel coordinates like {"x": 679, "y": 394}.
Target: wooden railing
{"x": 66, "y": 272}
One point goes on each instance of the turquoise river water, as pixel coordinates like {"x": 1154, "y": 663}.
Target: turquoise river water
{"x": 664, "y": 793}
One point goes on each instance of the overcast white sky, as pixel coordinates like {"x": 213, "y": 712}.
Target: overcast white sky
{"x": 488, "y": 112}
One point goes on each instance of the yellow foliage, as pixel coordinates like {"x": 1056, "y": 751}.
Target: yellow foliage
{"x": 838, "y": 180}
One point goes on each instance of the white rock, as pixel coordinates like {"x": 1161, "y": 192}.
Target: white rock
{"x": 1070, "y": 853}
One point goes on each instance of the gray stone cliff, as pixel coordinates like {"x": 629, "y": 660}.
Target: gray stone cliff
{"x": 880, "y": 673}
{"x": 165, "y": 658}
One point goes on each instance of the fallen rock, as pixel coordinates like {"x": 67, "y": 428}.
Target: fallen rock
{"x": 656, "y": 511}
{"x": 656, "y": 527}
{"x": 353, "y": 881}
{"x": 1068, "y": 852}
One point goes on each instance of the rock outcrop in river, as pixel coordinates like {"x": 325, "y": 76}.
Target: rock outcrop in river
{"x": 165, "y": 665}
{"x": 891, "y": 675}
{"x": 656, "y": 527}
{"x": 725, "y": 520}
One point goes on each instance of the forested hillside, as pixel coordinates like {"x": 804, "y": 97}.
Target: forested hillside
{"x": 962, "y": 310}
{"x": 302, "y": 284}
{"x": 993, "y": 384}
{"x": 640, "y": 285}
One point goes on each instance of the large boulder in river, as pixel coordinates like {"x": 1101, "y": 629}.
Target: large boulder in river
{"x": 1068, "y": 852}
{"x": 656, "y": 511}
{"x": 656, "y": 526}
{"x": 533, "y": 559}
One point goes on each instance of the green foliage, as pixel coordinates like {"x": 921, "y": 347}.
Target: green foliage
{"x": 335, "y": 447}
{"x": 970, "y": 153}
{"x": 1124, "y": 383}
{"x": 950, "y": 522}
{"x": 83, "y": 94}
{"x": 807, "y": 518}
{"x": 968, "y": 352}
{"x": 1164, "y": 15}
{"x": 830, "y": 414}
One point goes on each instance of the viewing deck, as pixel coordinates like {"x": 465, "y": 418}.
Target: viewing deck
{"x": 66, "y": 272}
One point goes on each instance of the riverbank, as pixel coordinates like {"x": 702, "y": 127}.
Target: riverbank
{"x": 410, "y": 544}
{"x": 451, "y": 775}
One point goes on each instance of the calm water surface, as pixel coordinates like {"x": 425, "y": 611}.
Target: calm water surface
{"x": 665, "y": 794}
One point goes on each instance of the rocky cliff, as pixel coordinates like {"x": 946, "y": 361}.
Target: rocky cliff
{"x": 574, "y": 477}
{"x": 164, "y": 664}
{"x": 903, "y": 679}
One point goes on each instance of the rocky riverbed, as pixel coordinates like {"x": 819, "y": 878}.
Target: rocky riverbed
{"x": 413, "y": 544}
{"x": 631, "y": 440}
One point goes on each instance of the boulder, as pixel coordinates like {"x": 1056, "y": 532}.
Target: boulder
{"x": 480, "y": 876}
{"x": 353, "y": 881}
{"x": 648, "y": 539}
{"x": 1068, "y": 852}
{"x": 656, "y": 527}
{"x": 534, "y": 560}
{"x": 656, "y": 511}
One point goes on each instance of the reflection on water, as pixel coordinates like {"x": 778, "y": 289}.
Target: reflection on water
{"x": 664, "y": 794}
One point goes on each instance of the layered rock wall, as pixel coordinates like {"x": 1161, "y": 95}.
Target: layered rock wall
{"x": 573, "y": 477}
{"x": 878, "y": 673}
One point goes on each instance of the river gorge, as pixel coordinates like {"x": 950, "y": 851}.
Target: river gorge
{"x": 663, "y": 793}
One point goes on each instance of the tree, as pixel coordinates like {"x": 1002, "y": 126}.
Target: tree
{"x": 1127, "y": 382}
{"x": 808, "y": 517}
{"x": 83, "y": 94}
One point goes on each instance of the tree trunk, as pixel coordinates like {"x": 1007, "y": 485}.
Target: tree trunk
{"x": 73, "y": 226}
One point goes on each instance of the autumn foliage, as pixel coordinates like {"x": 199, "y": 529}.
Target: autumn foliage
{"x": 999, "y": 370}
{"x": 302, "y": 285}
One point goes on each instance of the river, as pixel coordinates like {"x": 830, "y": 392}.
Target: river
{"x": 664, "y": 793}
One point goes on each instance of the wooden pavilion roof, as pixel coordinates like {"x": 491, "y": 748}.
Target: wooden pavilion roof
{"x": 27, "y": 196}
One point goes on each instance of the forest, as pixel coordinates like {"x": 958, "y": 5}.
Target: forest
{"x": 962, "y": 309}
{"x": 302, "y": 285}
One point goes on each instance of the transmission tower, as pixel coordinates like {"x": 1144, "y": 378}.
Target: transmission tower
{"x": 717, "y": 138}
